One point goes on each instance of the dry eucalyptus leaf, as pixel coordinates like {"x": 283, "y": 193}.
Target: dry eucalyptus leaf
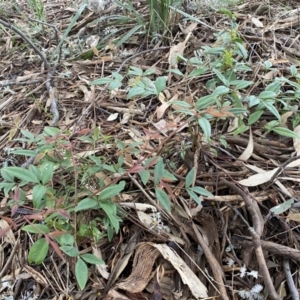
{"x": 188, "y": 277}
{"x": 8, "y": 236}
{"x": 139, "y": 206}
{"x": 256, "y": 22}
{"x": 176, "y": 51}
{"x": 249, "y": 150}
{"x": 297, "y": 141}
{"x": 258, "y": 179}
{"x": 112, "y": 117}
{"x": 294, "y": 217}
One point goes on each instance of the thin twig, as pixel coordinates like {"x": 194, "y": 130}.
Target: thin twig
{"x": 14, "y": 82}
{"x": 214, "y": 264}
{"x": 281, "y": 168}
{"x": 9, "y": 260}
{"x": 289, "y": 279}
{"x": 255, "y": 234}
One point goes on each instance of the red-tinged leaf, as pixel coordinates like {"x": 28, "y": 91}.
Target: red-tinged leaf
{"x": 37, "y": 217}
{"x": 152, "y": 161}
{"x": 17, "y": 194}
{"x": 56, "y": 233}
{"x": 128, "y": 158}
{"x": 136, "y": 169}
{"x": 58, "y": 155}
{"x": 168, "y": 188}
{"x": 14, "y": 209}
{"x": 9, "y": 221}
{"x": 165, "y": 179}
{"x": 147, "y": 132}
{"x": 39, "y": 157}
{"x": 84, "y": 131}
{"x": 64, "y": 213}
{"x": 59, "y": 201}
{"x": 215, "y": 113}
{"x": 55, "y": 247}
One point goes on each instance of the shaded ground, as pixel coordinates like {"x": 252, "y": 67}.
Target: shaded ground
{"x": 154, "y": 254}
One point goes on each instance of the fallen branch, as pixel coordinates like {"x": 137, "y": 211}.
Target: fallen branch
{"x": 255, "y": 234}
{"x": 215, "y": 266}
{"x": 289, "y": 279}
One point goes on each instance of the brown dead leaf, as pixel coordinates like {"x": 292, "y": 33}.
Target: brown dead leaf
{"x": 102, "y": 269}
{"x": 284, "y": 118}
{"x": 144, "y": 259}
{"x": 36, "y": 275}
{"x": 297, "y": 141}
{"x": 161, "y": 110}
{"x": 294, "y": 217}
{"x": 6, "y": 232}
{"x": 177, "y": 50}
{"x": 190, "y": 28}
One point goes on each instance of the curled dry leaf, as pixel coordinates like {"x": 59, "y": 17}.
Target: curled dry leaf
{"x": 102, "y": 269}
{"x": 144, "y": 259}
{"x": 126, "y": 117}
{"x": 196, "y": 287}
{"x": 161, "y": 109}
{"x": 8, "y": 235}
{"x": 284, "y": 118}
{"x": 139, "y": 206}
{"x": 189, "y": 28}
{"x": 146, "y": 219}
{"x": 294, "y": 217}
{"x": 296, "y": 146}
{"x": 176, "y": 51}
{"x": 38, "y": 277}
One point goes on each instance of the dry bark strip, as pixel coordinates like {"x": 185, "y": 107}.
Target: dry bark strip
{"x": 284, "y": 251}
